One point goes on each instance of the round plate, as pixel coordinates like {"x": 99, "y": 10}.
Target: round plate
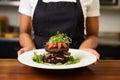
{"x": 86, "y": 58}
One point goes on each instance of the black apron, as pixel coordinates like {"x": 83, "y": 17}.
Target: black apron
{"x": 65, "y": 17}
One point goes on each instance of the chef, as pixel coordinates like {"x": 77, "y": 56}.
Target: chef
{"x": 77, "y": 18}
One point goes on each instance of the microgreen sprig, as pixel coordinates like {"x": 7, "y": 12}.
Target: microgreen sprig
{"x": 60, "y": 37}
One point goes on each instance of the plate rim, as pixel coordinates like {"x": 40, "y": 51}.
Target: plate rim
{"x": 61, "y": 67}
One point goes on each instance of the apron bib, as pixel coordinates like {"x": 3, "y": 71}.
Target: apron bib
{"x": 65, "y": 17}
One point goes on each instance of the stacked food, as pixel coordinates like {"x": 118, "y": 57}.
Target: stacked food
{"x": 57, "y": 49}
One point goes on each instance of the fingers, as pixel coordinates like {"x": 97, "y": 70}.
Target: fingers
{"x": 22, "y": 50}
{"x": 93, "y": 52}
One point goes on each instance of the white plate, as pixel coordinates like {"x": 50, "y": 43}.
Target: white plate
{"x": 86, "y": 58}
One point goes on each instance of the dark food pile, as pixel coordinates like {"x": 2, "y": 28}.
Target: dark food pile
{"x": 57, "y": 49}
{"x": 61, "y": 56}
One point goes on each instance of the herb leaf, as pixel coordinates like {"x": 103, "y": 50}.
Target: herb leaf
{"x": 60, "y": 37}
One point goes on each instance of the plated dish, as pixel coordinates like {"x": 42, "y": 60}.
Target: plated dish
{"x": 86, "y": 58}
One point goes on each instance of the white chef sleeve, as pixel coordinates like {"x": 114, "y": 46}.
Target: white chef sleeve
{"x": 93, "y": 9}
{"x": 25, "y": 7}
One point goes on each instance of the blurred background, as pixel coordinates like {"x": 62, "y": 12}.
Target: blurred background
{"x": 109, "y": 31}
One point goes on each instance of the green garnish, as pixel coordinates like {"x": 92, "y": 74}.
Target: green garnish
{"x": 38, "y": 58}
{"x": 60, "y": 37}
{"x": 72, "y": 60}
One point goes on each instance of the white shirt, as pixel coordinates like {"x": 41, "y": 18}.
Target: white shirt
{"x": 90, "y": 7}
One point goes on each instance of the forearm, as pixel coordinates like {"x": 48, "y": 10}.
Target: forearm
{"x": 90, "y": 42}
{"x": 26, "y": 40}
{"x": 92, "y": 29}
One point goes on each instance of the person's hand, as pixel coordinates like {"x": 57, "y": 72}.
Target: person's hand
{"x": 22, "y": 50}
{"x": 93, "y": 52}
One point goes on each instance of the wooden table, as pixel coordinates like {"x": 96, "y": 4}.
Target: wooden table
{"x": 11, "y": 69}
